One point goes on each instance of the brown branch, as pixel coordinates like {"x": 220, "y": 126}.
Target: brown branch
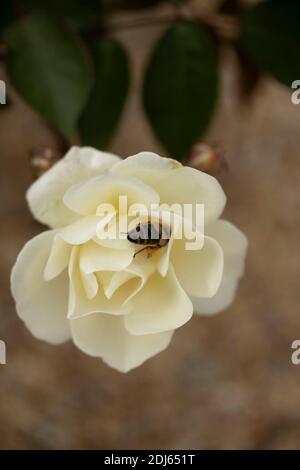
{"x": 225, "y": 25}
{"x": 142, "y": 22}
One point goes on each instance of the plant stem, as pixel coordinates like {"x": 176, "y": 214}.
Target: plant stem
{"x": 142, "y": 22}
{"x": 225, "y": 25}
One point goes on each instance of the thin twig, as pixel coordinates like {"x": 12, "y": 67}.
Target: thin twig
{"x": 225, "y": 25}
{"x": 142, "y": 22}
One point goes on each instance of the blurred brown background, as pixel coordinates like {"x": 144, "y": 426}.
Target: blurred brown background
{"x": 225, "y": 382}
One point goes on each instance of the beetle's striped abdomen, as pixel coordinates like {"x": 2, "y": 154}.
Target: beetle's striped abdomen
{"x": 146, "y": 234}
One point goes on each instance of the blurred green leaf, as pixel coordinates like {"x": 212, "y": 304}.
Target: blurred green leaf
{"x": 270, "y": 34}
{"x": 6, "y": 14}
{"x": 181, "y": 85}
{"x": 129, "y": 4}
{"x": 50, "y": 68}
{"x": 102, "y": 113}
{"x": 80, "y": 14}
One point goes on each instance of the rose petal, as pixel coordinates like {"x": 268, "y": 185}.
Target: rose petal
{"x": 85, "y": 198}
{"x": 114, "y": 234}
{"x": 233, "y": 242}
{"x": 45, "y": 195}
{"x": 175, "y": 183}
{"x": 105, "y": 336}
{"x": 81, "y": 231}
{"x": 160, "y": 306}
{"x": 111, "y": 281}
{"x": 220, "y": 301}
{"x": 140, "y": 269}
{"x": 146, "y": 166}
{"x": 41, "y": 304}
{"x": 183, "y": 230}
{"x": 94, "y": 257}
{"x": 190, "y": 186}
{"x": 58, "y": 259}
{"x": 234, "y": 245}
{"x": 90, "y": 284}
{"x": 198, "y": 271}
{"x": 80, "y": 304}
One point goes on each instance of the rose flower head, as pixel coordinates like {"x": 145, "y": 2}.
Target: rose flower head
{"x": 135, "y": 246}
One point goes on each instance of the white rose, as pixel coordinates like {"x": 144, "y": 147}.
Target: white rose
{"x": 70, "y": 283}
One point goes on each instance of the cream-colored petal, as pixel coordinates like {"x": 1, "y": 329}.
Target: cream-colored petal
{"x": 142, "y": 266}
{"x": 160, "y": 306}
{"x": 45, "y": 195}
{"x": 220, "y": 301}
{"x": 79, "y": 302}
{"x": 90, "y": 284}
{"x": 233, "y": 242}
{"x": 175, "y": 183}
{"x": 182, "y": 230}
{"x": 42, "y": 305}
{"x": 85, "y": 198}
{"x": 125, "y": 282}
{"x": 198, "y": 271}
{"x": 94, "y": 257}
{"x": 234, "y": 245}
{"x": 104, "y": 279}
{"x": 114, "y": 234}
{"x": 189, "y": 186}
{"x": 146, "y": 166}
{"x": 58, "y": 259}
{"x": 81, "y": 231}
{"x": 105, "y": 336}
{"x": 111, "y": 281}
{"x": 139, "y": 270}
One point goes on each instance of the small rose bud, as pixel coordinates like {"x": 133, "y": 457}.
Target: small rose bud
{"x": 43, "y": 158}
{"x": 206, "y": 158}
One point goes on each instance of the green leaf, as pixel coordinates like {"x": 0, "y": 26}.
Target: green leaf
{"x": 129, "y": 4}
{"x": 101, "y": 116}
{"x": 270, "y": 34}
{"x": 50, "y": 68}
{"x": 80, "y": 14}
{"x": 181, "y": 85}
{"x": 6, "y": 14}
